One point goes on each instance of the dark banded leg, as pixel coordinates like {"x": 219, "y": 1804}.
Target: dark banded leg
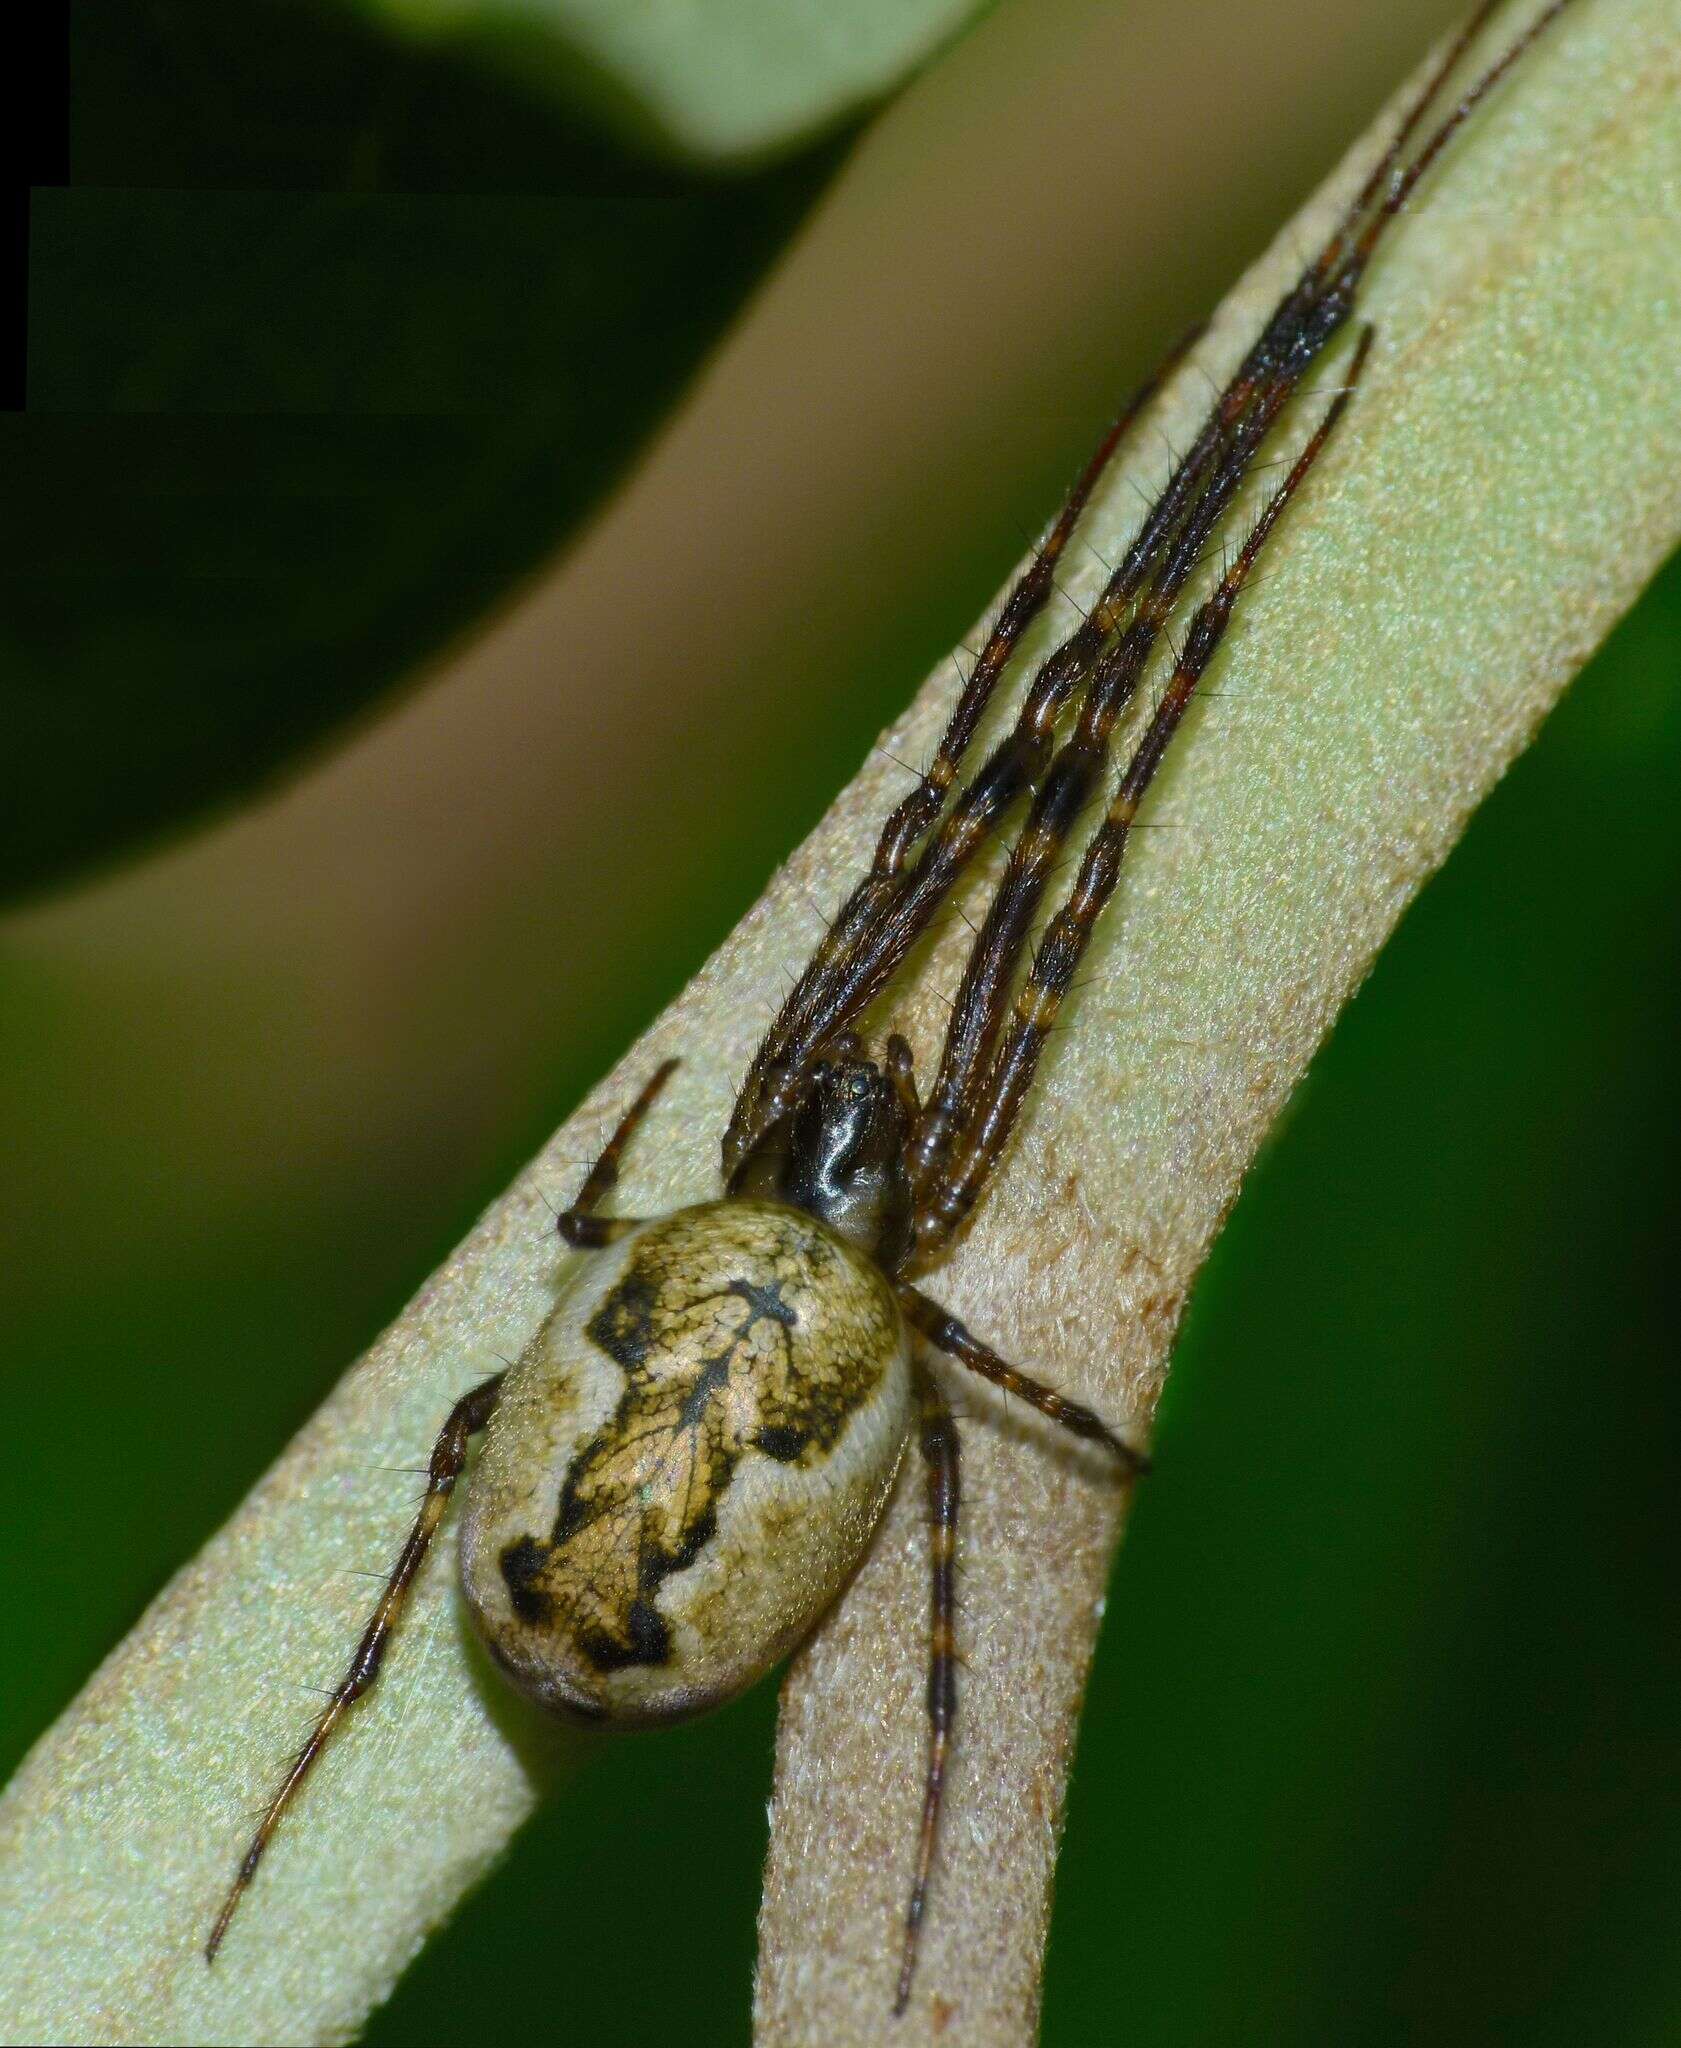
{"x": 1163, "y": 554}
{"x": 1340, "y": 266}
{"x": 1401, "y": 183}
{"x": 579, "y": 1225}
{"x": 937, "y": 1439}
{"x": 944, "y": 1204}
{"x": 828, "y": 993}
{"x": 947, "y": 1334}
{"x": 449, "y": 1454}
{"x": 916, "y": 812}
{"x": 1384, "y": 170}
{"x": 842, "y": 979}
{"x": 1076, "y": 770}
{"x": 1306, "y": 319}
{"x": 896, "y": 900}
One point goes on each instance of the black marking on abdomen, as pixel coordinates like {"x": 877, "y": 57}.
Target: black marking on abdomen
{"x": 641, "y": 1498}
{"x": 521, "y": 1562}
{"x": 650, "y": 1640}
{"x": 786, "y": 1445}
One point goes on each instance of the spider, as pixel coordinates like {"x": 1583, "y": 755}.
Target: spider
{"x": 686, "y": 1464}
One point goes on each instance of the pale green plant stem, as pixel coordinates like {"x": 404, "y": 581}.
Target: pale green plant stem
{"x": 1506, "y": 484}
{"x": 1508, "y": 479}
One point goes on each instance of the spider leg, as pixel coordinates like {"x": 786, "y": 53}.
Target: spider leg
{"x": 1229, "y": 435}
{"x": 1343, "y": 262}
{"x": 937, "y": 1439}
{"x": 1301, "y": 325}
{"x": 579, "y": 1225}
{"x": 901, "y": 1071}
{"x": 1073, "y": 774}
{"x": 884, "y": 918}
{"x": 944, "y": 1202}
{"x": 889, "y": 911}
{"x": 916, "y": 812}
{"x": 1401, "y": 183}
{"x": 946, "y": 1333}
{"x": 893, "y": 905}
{"x": 449, "y": 1454}
{"x": 1383, "y": 171}
{"x": 822, "y": 999}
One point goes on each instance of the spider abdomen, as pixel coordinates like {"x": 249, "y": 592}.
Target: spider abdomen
{"x": 686, "y": 1462}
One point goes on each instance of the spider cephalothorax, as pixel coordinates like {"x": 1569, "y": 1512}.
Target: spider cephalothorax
{"x": 688, "y": 1460}
{"x": 839, "y": 1154}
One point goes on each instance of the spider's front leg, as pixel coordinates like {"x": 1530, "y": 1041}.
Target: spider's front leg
{"x": 947, "y": 1194}
{"x": 885, "y": 912}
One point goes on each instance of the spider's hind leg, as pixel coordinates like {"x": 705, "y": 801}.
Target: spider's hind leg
{"x": 469, "y": 1415}
{"x": 947, "y": 1334}
{"x": 937, "y": 1439}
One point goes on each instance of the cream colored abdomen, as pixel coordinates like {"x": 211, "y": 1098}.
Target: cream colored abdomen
{"x": 686, "y": 1463}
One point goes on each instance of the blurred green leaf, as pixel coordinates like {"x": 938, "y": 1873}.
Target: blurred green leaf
{"x": 711, "y": 79}
{"x": 293, "y": 355}
{"x": 1382, "y": 1742}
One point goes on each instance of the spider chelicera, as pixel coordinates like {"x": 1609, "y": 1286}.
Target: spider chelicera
{"x": 685, "y": 1465}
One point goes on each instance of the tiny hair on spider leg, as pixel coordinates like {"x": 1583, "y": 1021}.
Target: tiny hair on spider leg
{"x": 1070, "y": 931}
{"x": 684, "y": 1467}
{"x": 926, "y": 846}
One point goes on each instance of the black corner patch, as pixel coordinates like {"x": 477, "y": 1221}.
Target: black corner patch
{"x": 521, "y": 1562}
{"x": 650, "y": 1640}
{"x": 787, "y": 1446}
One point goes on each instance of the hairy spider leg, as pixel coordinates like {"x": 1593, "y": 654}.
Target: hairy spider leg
{"x": 579, "y": 1225}
{"x": 1384, "y": 169}
{"x": 1199, "y": 493}
{"x": 1340, "y": 275}
{"x": 943, "y": 1205}
{"x": 1403, "y": 182}
{"x": 1388, "y": 185}
{"x": 882, "y": 922}
{"x": 807, "y": 1018}
{"x": 937, "y": 1440}
{"x": 947, "y": 1334}
{"x": 449, "y": 1455}
{"x": 915, "y": 813}
{"x": 1062, "y": 793}
{"x": 842, "y": 979}
{"x": 884, "y": 917}
{"x": 1327, "y": 286}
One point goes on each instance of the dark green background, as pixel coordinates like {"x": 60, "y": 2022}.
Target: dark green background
{"x": 331, "y": 338}
{"x": 1384, "y": 1738}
